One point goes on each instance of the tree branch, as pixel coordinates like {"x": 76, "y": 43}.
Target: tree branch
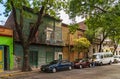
{"x": 21, "y": 19}
{"x": 99, "y": 8}
{"x": 36, "y": 25}
{"x": 17, "y": 26}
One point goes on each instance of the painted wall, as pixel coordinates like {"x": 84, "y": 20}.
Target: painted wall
{"x": 9, "y": 42}
{"x": 45, "y": 53}
{"x": 69, "y": 38}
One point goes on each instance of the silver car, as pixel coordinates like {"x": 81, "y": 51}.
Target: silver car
{"x": 116, "y": 58}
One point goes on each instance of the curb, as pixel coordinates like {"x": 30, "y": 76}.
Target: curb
{"x": 15, "y": 74}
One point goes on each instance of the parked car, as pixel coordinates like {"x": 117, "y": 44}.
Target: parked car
{"x": 57, "y": 65}
{"x": 116, "y": 58}
{"x": 101, "y": 58}
{"x": 82, "y": 63}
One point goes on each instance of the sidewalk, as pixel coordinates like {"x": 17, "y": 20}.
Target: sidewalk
{"x": 7, "y": 74}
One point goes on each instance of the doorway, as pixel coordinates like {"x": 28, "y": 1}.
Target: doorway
{"x": 4, "y": 57}
{"x": 33, "y": 57}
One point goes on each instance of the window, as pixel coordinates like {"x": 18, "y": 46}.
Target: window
{"x": 49, "y": 34}
{"x": 58, "y": 34}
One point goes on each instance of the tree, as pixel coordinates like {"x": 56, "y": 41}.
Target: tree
{"x": 88, "y": 8}
{"x": 81, "y": 45}
{"x": 115, "y": 37}
{"x": 103, "y": 15}
{"x": 42, "y": 7}
{"x": 104, "y": 26}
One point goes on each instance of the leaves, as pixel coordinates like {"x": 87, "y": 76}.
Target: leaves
{"x": 89, "y": 7}
{"x": 81, "y": 44}
{"x": 52, "y": 7}
{"x": 73, "y": 28}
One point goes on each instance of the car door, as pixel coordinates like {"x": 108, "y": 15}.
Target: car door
{"x": 83, "y": 63}
{"x": 62, "y": 65}
{"x": 59, "y": 65}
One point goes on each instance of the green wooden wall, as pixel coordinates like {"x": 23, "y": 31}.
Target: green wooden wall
{"x": 45, "y": 53}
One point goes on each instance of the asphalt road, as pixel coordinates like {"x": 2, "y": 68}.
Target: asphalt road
{"x": 99, "y": 72}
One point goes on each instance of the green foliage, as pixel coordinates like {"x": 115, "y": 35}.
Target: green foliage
{"x": 89, "y": 7}
{"x": 73, "y": 28}
{"x": 102, "y": 24}
{"x": 52, "y": 7}
{"x": 81, "y": 44}
{"x": 102, "y": 17}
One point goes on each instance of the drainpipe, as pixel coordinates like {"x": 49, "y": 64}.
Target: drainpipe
{"x": 69, "y": 46}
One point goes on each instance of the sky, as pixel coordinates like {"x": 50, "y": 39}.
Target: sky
{"x": 63, "y": 16}
{"x": 66, "y": 19}
{"x": 2, "y": 17}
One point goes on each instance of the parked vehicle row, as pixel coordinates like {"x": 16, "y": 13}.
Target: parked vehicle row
{"x": 97, "y": 59}
{"x": 103, "y": 58}
{"x": 58, "y": 65}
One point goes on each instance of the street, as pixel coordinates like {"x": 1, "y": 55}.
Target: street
{"x": 99, "y": 72}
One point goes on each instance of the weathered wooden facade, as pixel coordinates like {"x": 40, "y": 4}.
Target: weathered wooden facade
{"x": 68, "y": 52}
{"x": 47, "y": 44}
{"x": 6, "y": 49}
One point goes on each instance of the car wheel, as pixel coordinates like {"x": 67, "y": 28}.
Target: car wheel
{"x": 70, "y": 67}
{"x": 90, "y": 65}
{"x": 54, "y": 70}
{"x": 80, "y": 66}
{"x": 101, "y": 64}
{"x": 115, "y": 61}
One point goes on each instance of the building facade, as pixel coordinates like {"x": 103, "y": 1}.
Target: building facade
{"x": 47, "y": 44}
{"x": 68, "y": 52}
{"x": 6, "y": 49}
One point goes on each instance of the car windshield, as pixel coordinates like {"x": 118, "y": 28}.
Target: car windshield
{"x": 96, "y": 56}
{"x": 116, "y": 56}
{"x": 54, "y": 62}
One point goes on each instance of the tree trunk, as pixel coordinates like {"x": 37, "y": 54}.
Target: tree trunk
{"x": 26, "y": 65}
{"x": 100, "y": 47}
{"x": 115, "y": 47}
